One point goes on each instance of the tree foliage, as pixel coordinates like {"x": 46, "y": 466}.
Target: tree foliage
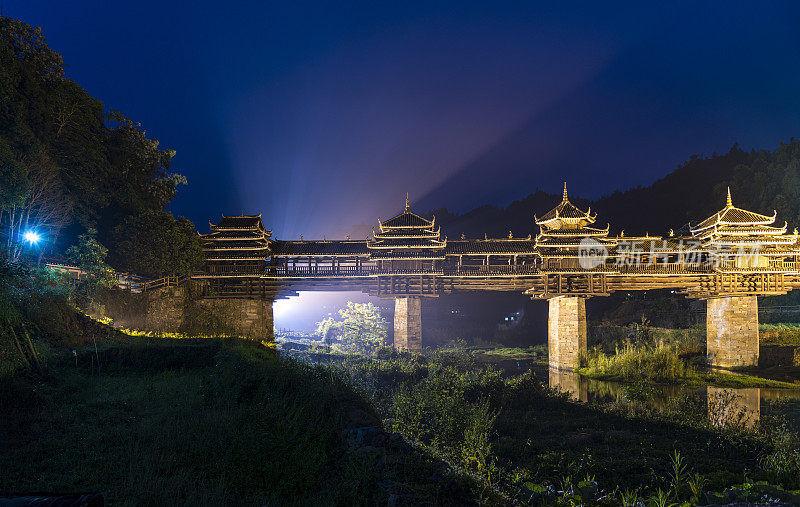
{"x": 361, "y": 329}
{"x": 90, "y": 256}
{"x": 67, "y": 163}
{"x": 155, "y": 244}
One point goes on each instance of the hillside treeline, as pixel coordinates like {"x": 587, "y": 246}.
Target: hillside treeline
{"x": 760, "y": 180}
{"x": 71, "y": 168}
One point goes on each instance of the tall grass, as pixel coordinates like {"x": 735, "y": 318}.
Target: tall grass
{"x": 630, "y": 362}
{"x": 687, "y": 342}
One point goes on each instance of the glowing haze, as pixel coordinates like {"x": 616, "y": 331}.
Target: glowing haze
{"x": 322, "y": 115}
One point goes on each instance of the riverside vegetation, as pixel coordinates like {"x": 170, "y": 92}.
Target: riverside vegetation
{"x": 641, "y": 352}
{"x": 147, "y": 420}
{"x": 200, "y": 422}
{"x": 533, "y": 445}
{"x": 143, "y": 419}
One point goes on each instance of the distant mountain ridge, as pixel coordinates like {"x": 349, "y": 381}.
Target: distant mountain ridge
{"x": 760, "y": 180}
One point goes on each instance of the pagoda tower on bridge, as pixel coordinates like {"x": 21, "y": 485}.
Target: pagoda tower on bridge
{"x": 573, "y": 261}
{"x": 237, "y": 246}
{"x": 741, "y": 240}
{"x": 562, "y": 240}
{"x": 750, "y": 256}
{"x": 407, "y": 243}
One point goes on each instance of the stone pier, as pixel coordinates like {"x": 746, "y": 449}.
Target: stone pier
{"x": 408, "y": 323}
{"x": 566, "y": 331}
{"x": 732, "y": 331}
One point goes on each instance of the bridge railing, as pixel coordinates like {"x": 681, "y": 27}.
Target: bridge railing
{"x": 345, "y": 271}
{"x": 320, "y": 271}
{"x": 490, "y": 270}
{"x": 656, "y": 268}
{"x": 162, "y": 283}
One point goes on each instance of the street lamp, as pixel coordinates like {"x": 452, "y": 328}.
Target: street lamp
{"x": 32, "y": 237}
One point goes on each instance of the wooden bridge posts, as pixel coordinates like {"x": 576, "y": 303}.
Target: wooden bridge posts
{"x": 566, "y": 331}
{"x": 408, "y": 323}
{"x": 732, "y": 331}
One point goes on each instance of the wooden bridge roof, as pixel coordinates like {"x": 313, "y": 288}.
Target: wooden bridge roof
{"x": 567, "y": 210}
{"x": 407, "y": 220}
{"x": 234, "y": 222}
{"x": 331, "y": 248}
{"x": 490, "y": 246}
{"x": 730, "y": 215}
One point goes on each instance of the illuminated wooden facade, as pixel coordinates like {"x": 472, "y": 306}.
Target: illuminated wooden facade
{"x": 733, "y": 254}
{"x": 237, "y": 246}
{"x": 734, "y": 251}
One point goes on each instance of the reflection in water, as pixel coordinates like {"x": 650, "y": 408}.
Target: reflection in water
{"x": 722, "y": 406}
{"x": 734, "y": 407}
{"x": 570, "y": 382}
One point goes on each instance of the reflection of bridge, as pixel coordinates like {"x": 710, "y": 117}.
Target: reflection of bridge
{"x": 728, "y": 259}
{"x": 725, "y": 406}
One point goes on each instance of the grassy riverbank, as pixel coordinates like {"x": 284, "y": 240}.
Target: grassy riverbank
{"x": 203, "y": 422}
{"x": 661, "y": 362}
{"x": 212, "y": 422}
{"x": 535, "y": 445}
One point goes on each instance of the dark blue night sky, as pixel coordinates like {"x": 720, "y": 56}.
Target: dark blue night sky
{"x": 322, "y": 116}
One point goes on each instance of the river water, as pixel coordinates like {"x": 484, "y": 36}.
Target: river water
{"x": 722, "y": 405}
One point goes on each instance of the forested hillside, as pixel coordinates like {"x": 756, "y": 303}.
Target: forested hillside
{"x": 760, "y": 180}
{"x": 71, "y": 167}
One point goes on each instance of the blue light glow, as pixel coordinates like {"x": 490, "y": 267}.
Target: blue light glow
{"x": 32, "y": 237}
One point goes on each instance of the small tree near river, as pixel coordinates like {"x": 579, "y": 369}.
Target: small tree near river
{"x": 361, "y": 329}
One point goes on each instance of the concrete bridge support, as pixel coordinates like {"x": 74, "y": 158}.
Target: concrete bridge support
{"x": 566, "y": 331}
{"x": 408, "y": 323}
{"x": 732, "y": 331}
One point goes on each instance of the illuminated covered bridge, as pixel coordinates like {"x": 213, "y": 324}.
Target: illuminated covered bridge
{"x": 727, "y": 259}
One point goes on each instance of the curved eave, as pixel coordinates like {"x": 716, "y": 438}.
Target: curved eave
{"x": 556, "y": 222}
{"x": 319, "y": 255}
{"x": 383, "y": 226}
{"x": 240, "y": 229}
{"x": 215, "y": 249}
{"x": 745, "y": 231}
{"x": 427, "y": 235}
{"x": 241, "y": 238}
{"x": 406, "y": 247}
{"x": 766, "y": 241}
{"x": 715, "y": 220}
{"x": 582, "y": 231}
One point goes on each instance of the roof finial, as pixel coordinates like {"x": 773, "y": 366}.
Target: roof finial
{"x": 565, "y": 191}
{"x": 407, "y": 204}
{"x": 729, "y": 202}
